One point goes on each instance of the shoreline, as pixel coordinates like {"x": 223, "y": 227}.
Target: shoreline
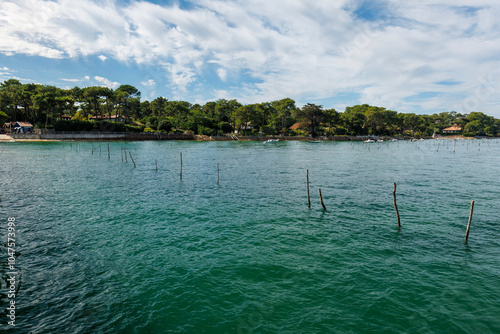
{"x": 8, "y": 139}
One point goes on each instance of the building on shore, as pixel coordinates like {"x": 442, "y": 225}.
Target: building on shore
{"x": 18, "y": 127}
{"x": 453, "y": 129}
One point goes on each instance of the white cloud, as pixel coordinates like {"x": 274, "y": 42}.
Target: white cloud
{"x": 222, "y": 74}
{"x": 106, "y": 82}
{"x": 85, "y": 78}
{"x": 304, "y": 50}
{"x": 150, "y": 82}
{"x": 4, "y": 69}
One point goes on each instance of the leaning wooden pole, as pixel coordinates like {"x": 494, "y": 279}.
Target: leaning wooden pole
{"x": 181, "y": 165}
{"x": 109, "y": 158}
{"x": 321, "y": 199}
{"x": 395, "y": 205}
{"x": 308, "y": 197}
{"x": 131, "y": 158}
{"x": 217, "y": 173}
{"x": 470, "y": 219}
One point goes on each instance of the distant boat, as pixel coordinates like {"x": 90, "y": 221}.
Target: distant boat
{"x": 380, "y": 141}
{"x": 369, "y": 141}
{"x": 271, "y": 141}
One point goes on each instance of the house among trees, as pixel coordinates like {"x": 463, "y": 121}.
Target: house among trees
{"x": 18, "y": 127}
{"x": 453, "y": 129}
{"x": 66, "y": 117}
{"x": 299, "y": 126}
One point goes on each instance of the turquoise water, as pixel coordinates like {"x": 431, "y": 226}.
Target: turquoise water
{"x": 104, "y": 247}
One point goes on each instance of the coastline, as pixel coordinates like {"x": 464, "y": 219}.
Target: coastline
{"x": 159, "y": 137}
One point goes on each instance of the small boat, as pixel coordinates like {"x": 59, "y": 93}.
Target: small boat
{"x": 271, "y": 141}
{"x": 369, "y": 141}
{"x": 380, "y": 141}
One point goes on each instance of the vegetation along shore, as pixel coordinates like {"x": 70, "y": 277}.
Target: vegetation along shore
{"x": 102, "y": 109}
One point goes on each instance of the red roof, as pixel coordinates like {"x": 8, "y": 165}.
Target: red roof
{"x": 453, "y": 128}
{"x": 24, "y": 124}
{"x": 298, "y": 125}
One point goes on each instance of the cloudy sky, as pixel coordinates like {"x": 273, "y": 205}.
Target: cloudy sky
{"x": 411, "y": 56}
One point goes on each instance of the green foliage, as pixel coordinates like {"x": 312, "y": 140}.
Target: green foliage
{"x": 3, "y": 118}
{"x": 164, "y": 124}
{"x": 74, "y": 125}
{"x": 134, "y": 128}
{"x": 203, "y": 130}
{"x": 225, "y": 127}
{"x": 43, "y": 105}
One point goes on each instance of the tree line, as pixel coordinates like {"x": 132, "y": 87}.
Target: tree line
{"x": 91, "y": 107}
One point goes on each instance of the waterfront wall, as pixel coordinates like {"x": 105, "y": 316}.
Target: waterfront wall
{"x": 102, "y": 136}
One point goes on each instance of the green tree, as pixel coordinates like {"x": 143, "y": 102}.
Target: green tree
{"x": 3, "y": 118}
{"x": 128, "y": 100}
{"x": 331, "y": 118}
{"x": 284, "y": 109}
{"x": 312, "y": 114}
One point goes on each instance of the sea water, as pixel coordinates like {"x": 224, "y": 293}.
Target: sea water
{"x": 102, "y": 246}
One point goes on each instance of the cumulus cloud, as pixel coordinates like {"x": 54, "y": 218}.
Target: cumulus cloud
{"x": 106, "y": 82}
{"x": 149, "y": 82}
{"x": 85, "y": 78}
{"x": 390, "y": 53}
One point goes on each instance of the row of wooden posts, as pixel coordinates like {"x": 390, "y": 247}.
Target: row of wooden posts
{"x": 124, "y": 154}
{"x": 395, "y": 206}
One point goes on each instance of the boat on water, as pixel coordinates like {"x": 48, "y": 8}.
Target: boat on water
{"x": 369, "y": 141}
{"x": 271, "y": 141}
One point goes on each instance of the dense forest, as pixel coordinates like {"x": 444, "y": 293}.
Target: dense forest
{"x": 104, "y": 109}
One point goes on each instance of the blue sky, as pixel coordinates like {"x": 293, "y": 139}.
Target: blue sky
{"x": 423, "y": 57}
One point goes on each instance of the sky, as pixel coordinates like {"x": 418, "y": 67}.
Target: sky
{"x": 410, "y": 56}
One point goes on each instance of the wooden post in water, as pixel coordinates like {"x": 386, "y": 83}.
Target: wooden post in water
{"x": 122, "y": 151}
{"x": 156, "y": 164}
{"x": 99, "y": 148}
{"x": 395, "y": 205}
{"x": 181, "y": 165}
{"x": 470, "y": 219}
{"x": 92, "y": 149}
{"x": 321, "y": 199}
{"x": 125, "y": 151}
{"x": 308, "y": 197}
{"x": 109, "y": 158}
{"x": 217, "y": 173}
{"x": 131, "y": 158}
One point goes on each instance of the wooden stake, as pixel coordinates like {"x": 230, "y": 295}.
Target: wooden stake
{"x": 99, "y": 148}
{"x": 156, "y": 164}
{"x": 470, "y": 219}
{"x": 122, "y": 151}
{"x": 125, "y": 151}
{"x": 217, "y": 173}
{"x": 395, "y": 205}
{"x": 131, "y": 158}
{"x": 321, "y": 198}
{"x": 108, "y": 153}
{"x": 181, "y": 165}
{"x": 308, "y": 197}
